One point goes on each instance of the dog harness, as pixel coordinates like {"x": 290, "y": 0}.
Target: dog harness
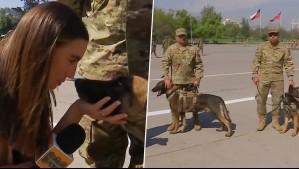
{"x": 187, "y": 101}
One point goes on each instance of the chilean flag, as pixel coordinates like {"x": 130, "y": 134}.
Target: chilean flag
{"x": 277, "y": 17}
{"x": 255, "y": 15}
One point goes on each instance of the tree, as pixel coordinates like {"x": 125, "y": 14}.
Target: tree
{"x": 5, "y": 24}
{"x": 9, "y": 18}
{"x": 28, "y": 4}
{"x": 184, "y": 20}
{"x": 211, "y": 26}
{"x": 245, "y": 28}
{"x": 163, "y": 24}
{"x": 230, "y": 30}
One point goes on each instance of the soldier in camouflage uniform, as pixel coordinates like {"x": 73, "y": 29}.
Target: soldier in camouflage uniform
{"x": 182, "y": 67}
{"x": 267, "y": 71}
{"x": 165, "y": 44}
{"x": 200, "y": 46}
{"x": 119, "y": 40}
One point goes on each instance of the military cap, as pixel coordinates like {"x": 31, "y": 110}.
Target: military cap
{"x": 273, "y": 30}
{"x": 181, "y": 31}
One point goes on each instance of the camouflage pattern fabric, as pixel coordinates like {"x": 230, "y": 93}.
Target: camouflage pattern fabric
{"x": 154, "y": 48}
{"x": 165, "y": 44}
{"x": 119, "y": 44}
{"x": 277, "y": 90}
{"x": 106, "y": 54}
{"x": 200, "y": 46}
{"x": 269, "y": 62}
{"x": 182, "y": 65}
{"x": 139, "y": 36}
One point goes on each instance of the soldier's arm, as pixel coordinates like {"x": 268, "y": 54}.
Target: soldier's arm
{"x": 166, "y": 62}
{"x": 289, "y": 65}
{"x": 256, "y": 63}
{"x": 199, "y": 68}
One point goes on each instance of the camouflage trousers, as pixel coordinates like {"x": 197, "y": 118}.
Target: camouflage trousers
{"x": 106, "y": 144}
{"x": 200, "y": 47}
{"x": 276, "y": 89}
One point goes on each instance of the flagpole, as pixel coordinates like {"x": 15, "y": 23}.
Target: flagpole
{"x": 260, "y": 24}
{"x": 280, "y": 20}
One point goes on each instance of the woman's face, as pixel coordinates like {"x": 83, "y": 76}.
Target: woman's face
{"x": 64, "y": 62}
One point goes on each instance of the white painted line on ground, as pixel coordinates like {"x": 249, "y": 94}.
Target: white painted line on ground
{"x": 227, "y": 74}
{"x": 154, "y": 113}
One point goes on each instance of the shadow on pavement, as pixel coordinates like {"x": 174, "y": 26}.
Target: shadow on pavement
{"x": 207, "y": 120}
{"x": 151, "y": 134}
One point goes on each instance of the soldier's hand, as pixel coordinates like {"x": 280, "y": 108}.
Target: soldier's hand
{"x": 291, "y": 82}
{"x": 196, "y": 83}
{"x": 168, "y": 84}
{"x": 256, "y": 80}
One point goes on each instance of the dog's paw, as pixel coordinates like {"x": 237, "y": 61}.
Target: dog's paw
{"x": 183, "y": 130}
{"x": 170, "y": 128}
{"x": 228, "y": 134}
{"x": 174, "y": 132}
{"x": 294, "y": 134}
{"x": 197, "y": 127}
{"x": 219, "y": 129}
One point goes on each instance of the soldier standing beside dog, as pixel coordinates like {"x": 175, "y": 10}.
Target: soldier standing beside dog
{"x": 182, "y": 67}
{"x": 267, "y": 74}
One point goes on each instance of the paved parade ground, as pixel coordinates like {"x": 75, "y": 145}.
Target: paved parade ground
{"x": 228, "y": 75}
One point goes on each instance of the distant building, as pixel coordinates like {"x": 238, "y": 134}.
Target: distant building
{"x": 226, "y": 21}
{"x": 295, "y": 24}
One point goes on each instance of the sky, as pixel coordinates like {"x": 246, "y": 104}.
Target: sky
{"x": 237, "y": 9}
{"x": 11, "y": 3}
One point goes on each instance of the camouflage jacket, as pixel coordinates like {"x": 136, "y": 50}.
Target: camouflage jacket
{"x": 183, "y": 63}
{"x": 269, "y": 62}
{"x": 118, "y": 39}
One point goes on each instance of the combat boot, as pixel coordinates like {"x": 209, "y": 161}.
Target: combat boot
{"x": 262, "y": 123}
{"x": 275, "y": 123}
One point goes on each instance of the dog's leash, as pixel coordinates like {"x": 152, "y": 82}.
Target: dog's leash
{"x": 279, "y": 104}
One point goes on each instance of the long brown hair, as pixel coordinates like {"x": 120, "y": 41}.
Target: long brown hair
{"x": 25, "y": 108}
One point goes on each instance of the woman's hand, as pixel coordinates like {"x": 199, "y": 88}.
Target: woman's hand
{"x": 97, "y": 112}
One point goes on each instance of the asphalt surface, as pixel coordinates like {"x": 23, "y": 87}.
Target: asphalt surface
{"x": 227, "y": 74}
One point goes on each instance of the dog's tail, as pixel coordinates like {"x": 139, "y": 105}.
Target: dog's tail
{"x": 225, "y": 111}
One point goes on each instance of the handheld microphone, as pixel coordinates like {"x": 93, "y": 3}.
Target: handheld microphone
{"x": 61, "y": 147}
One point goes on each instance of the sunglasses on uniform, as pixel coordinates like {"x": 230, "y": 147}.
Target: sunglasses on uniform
{"x": 273, "y": 34}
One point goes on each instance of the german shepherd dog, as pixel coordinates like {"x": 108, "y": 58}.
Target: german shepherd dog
{"x": 208, "y": 102}
{"x": 291, "y": 107}
{"x": 131, "y": 91}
